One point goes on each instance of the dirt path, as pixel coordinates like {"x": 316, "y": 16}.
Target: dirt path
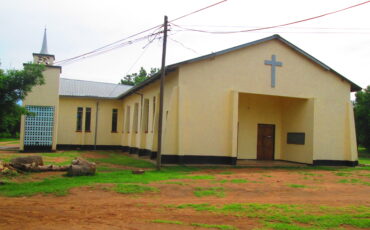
{"x": 94, "y": 208}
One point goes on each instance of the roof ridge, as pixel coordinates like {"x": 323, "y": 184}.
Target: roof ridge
{"x": 100, "y": 82}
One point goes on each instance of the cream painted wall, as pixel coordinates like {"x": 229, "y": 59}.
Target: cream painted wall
{"x": 130, "y": 138}
{"x": 148, "y": 140}
{"x": 204, "y": 111}
{"x": 67, "y": 133}
{"x": 350, "y": 134}
{"x": 297, "y": 116}
{"x": 171, "y": 127}
{"x": 204, "y": 94}
{"x": 47, "y": 94}
{"x": 44, "y": 95}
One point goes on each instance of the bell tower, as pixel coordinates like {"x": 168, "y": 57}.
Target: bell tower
{"x": 44, "y": 57}
{"x": 39, "y": 130}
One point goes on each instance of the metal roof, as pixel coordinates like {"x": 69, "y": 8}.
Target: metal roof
{"x": 80, "y": 88}
{"x": 173, "y": 67}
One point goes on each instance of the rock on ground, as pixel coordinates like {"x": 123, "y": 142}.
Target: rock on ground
{"x": 81, "y": 167}
{"x": 21, "y": 162}
{"x": 7, "y": 170}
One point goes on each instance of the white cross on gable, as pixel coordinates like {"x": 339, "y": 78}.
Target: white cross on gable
{"x": 273, "y": 64}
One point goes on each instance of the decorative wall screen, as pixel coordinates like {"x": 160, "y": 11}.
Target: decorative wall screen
{"x": 39, "y": 127}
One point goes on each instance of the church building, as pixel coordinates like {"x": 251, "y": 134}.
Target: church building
{"x": 263, "y": 100}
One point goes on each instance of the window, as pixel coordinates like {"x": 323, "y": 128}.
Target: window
{"x": 87, "y": 119}
{"x": 127, "y": 125}
{"x": 79, "y": 118}
{"x": 153, "y": 114}
{"x": 146, "y": 116}
{"x": 136, "y": 118}
{"x": 114, "y": 120}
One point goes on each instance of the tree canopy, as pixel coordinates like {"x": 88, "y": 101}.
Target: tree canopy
{"x": 14, "y": 86}
{"x": 136, "y": 78}
{"x": 362, "y": 117}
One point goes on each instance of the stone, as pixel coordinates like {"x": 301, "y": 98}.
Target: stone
{"x": 81, "y": 167}
{"x": 138, "y": 171}
{"x": 23, "y": 162}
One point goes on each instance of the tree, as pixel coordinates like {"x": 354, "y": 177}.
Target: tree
{"x": 137, "y": 78}
{"x": 14, "y": 87}
{"x": 362, "y": 117}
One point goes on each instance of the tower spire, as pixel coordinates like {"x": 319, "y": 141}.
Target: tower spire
{"x": 44, "y": 48}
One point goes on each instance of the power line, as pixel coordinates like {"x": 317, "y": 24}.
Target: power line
{"x": 204, "y": 8}
{"x": 184, "y": 46}
{"x": 294, "y": 32}
{"x": 271, "y": 27}
{"x": 103, "y": 48}
{"x": 108, "y": 45}
{"x": 92, "y": 54}
{"x": 298, "y": 28}
{"x": 117, "y": 44}
{"x": 142, "y": 54}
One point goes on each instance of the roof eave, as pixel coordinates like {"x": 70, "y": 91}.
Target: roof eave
{"x": 90, "y": 97}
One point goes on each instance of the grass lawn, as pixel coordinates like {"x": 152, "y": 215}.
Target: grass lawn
{"x": 364, "y": 155}
{"x": 283, "y": 216}
{"x": 208, "y": 195}
{"x": 107, "y": 173}
{"x": 8, "y": 139}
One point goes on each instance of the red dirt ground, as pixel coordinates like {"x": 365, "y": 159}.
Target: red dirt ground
{"x": 95, "y": 208}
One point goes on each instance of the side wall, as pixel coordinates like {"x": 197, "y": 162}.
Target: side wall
{"x": 67, "y": 134}
{"x": 140, "y": 141}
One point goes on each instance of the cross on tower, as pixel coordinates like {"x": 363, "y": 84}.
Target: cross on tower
{"x": 273, "y": 64}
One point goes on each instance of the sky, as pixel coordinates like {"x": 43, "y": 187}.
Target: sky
{"x": 74, "y": 27}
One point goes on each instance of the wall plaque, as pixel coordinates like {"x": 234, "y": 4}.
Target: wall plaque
{"x": 296, "y": 138}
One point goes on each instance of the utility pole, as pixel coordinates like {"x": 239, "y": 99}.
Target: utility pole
{"x": 161, "y": 92}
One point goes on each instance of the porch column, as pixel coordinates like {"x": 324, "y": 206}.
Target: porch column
{"x": 234, "y": 122}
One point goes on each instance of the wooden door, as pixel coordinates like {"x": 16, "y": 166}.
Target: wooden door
{"x": 265, "y": 142}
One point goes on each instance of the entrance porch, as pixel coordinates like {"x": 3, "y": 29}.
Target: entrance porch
{"x": 275, "y": 128}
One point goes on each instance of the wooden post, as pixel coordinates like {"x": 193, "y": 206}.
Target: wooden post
{"x": 161, "y": 92}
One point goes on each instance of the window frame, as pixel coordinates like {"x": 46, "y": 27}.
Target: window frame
{"x": 145, "y": 125}
{"x": 79, "y": 119}
{"x": 88, "y": 119}
{"x": 114, "y": 120}
{"x": 135, "y": 127}
{"x": 128, "y": 117}
{"x": 153, "y": 113}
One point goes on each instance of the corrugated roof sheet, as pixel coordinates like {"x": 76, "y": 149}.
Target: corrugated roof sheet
{"x": 80, "y": 88}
